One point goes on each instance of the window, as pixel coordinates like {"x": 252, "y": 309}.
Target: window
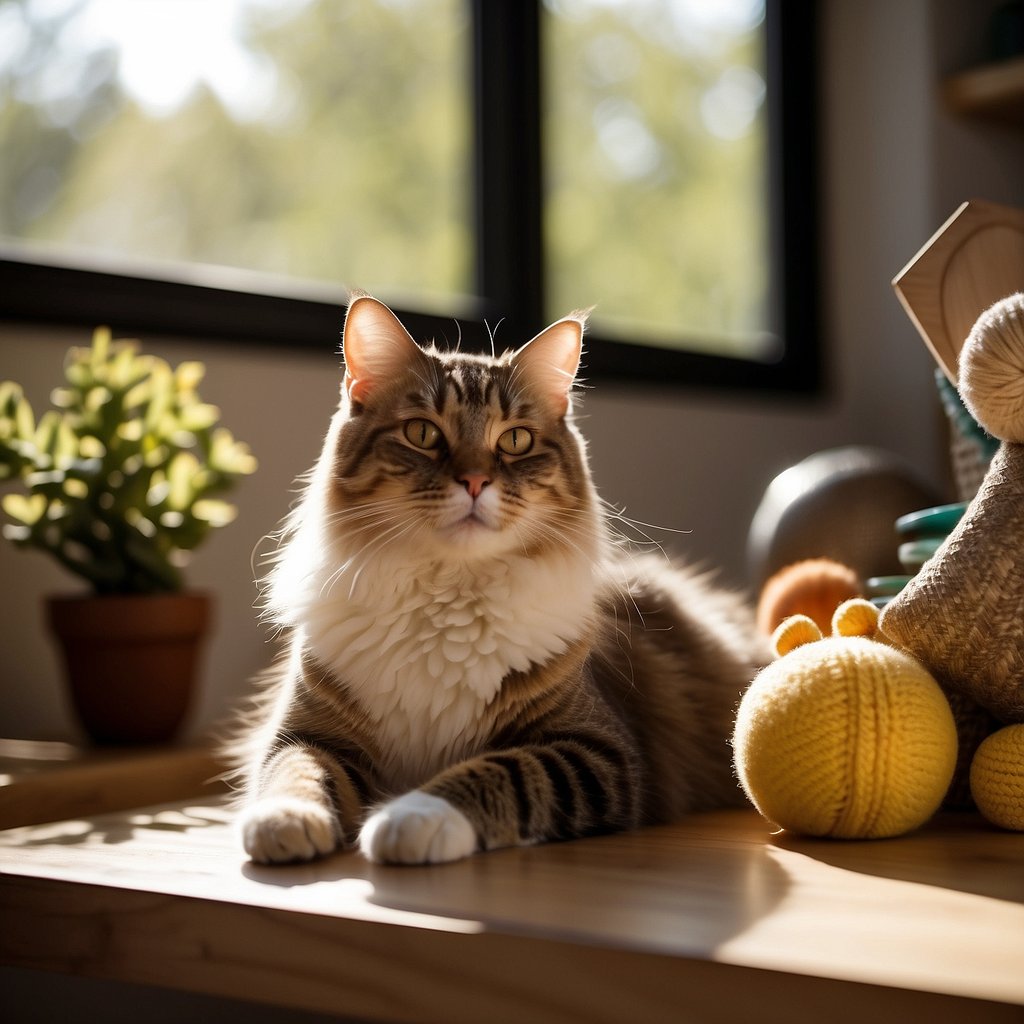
{"x": 655, "y": 170}
{"x": 235, "y": 134}
{"x": 222, "y": 172}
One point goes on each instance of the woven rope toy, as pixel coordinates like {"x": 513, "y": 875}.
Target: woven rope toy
{"x": 844, "y": 736}
{"x": 963, "y": 613}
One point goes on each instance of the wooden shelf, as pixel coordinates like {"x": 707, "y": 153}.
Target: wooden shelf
{"x": 992, "y": 91}
{"x": 48, "y": 781}
{"x": 712, "y": 919}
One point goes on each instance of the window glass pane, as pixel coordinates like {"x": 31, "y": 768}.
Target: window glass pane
{"x": 322, "y": 139}
{"x": 656, "y": 170}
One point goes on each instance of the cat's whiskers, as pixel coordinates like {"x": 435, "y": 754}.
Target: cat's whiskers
{"x": 624, "y": 642}
{"x": 371, "y": 521}
{"x": 626, "y": 547}
{"x": 624, "y": 544}
{"x": 491, "y": 332}
{"x": 613, "y": 514}
{"x": 599, "y": 566}
{"x": 412, "y": 525}
{"x": 365, "y": 517}
{"x": 432, "y": 387}
{"x": 366, "y": 508}
{"x": 361, "y": 558}
{"x": 542, "y": 531}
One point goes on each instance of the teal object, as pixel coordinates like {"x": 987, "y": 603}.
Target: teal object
{"x": 914, "y": 553}
{"x": 966, "y": 425}
{"x": 931, "y": 522}
{"x": 885, "y": 586}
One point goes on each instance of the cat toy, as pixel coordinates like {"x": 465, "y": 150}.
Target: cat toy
{"x": 853, "y": 736}
{"x": 814, "y": 587}
{"x": 844, "y": 736}
{"x": 962, "y": 615}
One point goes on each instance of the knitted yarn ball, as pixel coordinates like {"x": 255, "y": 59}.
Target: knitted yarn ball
{"x": 814, "y": 587}
{"x": 997, "y": 778}
{"x": 844, "y": 736}
{"x": 991, "y": 369}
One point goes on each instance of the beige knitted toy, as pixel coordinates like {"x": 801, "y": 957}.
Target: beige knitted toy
{"x": 963, "y": 613}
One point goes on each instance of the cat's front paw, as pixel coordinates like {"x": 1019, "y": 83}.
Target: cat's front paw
{"x": 281, "y": 829}
{"x": 417, "y": 828}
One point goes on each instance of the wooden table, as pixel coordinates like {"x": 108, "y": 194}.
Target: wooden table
{"x": 713, "y": 919}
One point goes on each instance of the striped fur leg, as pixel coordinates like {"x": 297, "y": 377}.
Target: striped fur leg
{"x": 558, "y": 790}
{"x": 306, "y": 805}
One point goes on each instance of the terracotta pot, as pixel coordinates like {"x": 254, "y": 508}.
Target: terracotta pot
{"x": 130, "y": 661}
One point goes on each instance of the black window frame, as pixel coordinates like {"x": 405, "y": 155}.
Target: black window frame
{"x": 223, "y": 304}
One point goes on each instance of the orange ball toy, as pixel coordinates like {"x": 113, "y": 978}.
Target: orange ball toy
{"x": 815, "y": 587}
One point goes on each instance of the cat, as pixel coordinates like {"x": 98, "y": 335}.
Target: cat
{"x": 472, "y": 660}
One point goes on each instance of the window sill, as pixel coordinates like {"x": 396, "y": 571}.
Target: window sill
{"x": 219, "y": 304}
{"x": 48, "y": 781}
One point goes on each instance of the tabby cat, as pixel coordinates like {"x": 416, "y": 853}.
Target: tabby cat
{"x": 472, "y": 661}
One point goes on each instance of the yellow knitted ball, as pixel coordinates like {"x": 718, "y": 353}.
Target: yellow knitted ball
{"x": 997, "y": 777}
{"x": 845, "y": 737}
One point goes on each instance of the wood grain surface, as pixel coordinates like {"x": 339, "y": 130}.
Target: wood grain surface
{"x": 715, "y": 918}
{"x": 975, "y": 259}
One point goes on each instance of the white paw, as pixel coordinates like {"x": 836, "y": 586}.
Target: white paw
{"x": 417, "y": 829}
{"x": 283, "y": 828}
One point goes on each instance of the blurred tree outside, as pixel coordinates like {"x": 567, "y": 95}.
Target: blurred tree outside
{"x": 656, "y": 162}
{"x": 331, "y": 140}
{"x": 349, "y": 161}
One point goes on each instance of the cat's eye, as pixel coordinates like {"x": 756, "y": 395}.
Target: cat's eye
{"x": 423, "y": 434}
{"x": 517, "y": 441}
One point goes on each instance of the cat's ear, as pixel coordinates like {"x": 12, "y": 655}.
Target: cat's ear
{"x": 548, "y": 362}
{"x": 376, "y": 346}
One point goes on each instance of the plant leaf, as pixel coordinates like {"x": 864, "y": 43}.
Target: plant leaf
{"x": 24, "y": 421}
{"x": 190, "y": 375}
{"x": 181, "y": 474}
{"x": 216, "y": 513}
{"x": 25, "y": 508}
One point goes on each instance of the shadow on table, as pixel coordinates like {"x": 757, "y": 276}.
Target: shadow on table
{"x": 656, "y": 888}
{"x": 960, "y": 852}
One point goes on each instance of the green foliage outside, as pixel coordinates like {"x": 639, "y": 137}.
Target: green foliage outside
{"x": 651, "y": 215}
{"x": 358, "y": 169}
{"x": 358, "y": 173}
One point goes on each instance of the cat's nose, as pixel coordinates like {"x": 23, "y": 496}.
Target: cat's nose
{"x": 474, "y": 483}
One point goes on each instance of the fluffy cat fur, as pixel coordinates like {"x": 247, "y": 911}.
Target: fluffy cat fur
{"x": 470, "y": 661}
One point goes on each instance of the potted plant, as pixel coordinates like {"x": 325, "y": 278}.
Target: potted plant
{"x": 120, "y": 482}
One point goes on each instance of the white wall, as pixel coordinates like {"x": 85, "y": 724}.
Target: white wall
{"x": 893, "y": 167}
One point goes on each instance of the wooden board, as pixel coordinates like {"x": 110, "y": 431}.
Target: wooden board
{"x": 712, "y": 919}
{"x": 975, "y": 259}
{"x": 47, "y": 781}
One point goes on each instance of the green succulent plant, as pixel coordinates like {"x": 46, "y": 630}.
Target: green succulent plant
{"x": 121, "y": 478}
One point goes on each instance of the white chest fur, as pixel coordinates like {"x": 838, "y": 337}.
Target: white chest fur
{"x": 424, "y": 649}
